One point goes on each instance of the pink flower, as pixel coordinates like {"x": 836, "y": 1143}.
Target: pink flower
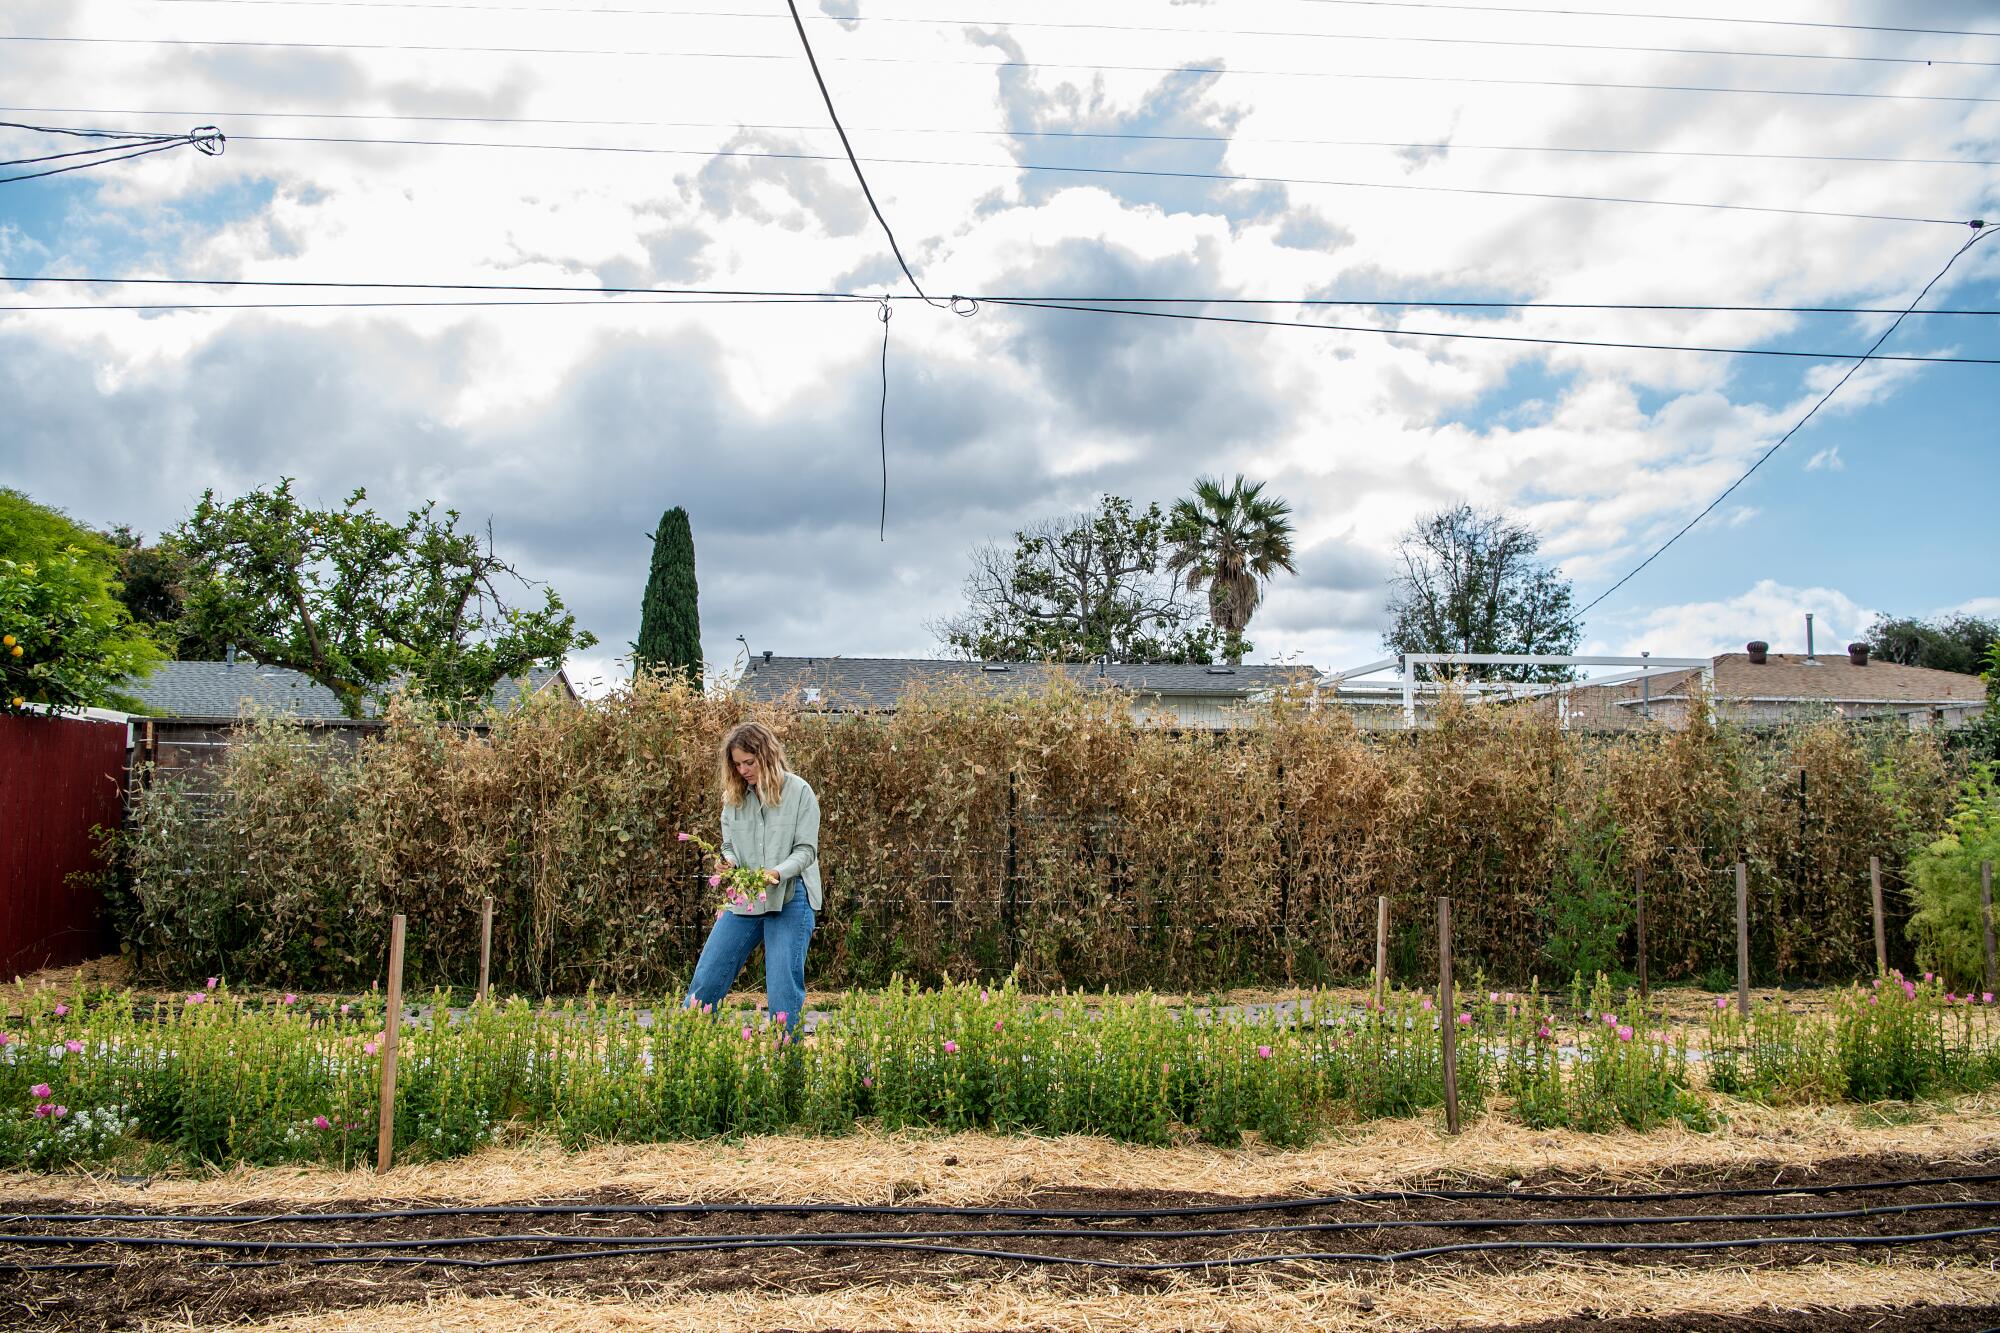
{"x": 345, "y": 1007}
{"x": 290, "y": 998}
{"x": 368, "y": 1048}
{"x": 1465, "y": 1020}
{"x": 746, "y": 1032}
{"x": 1543, "y": 1032}
{"x": 715, "y": 881}
{"x": 1493, "y": 997}
{"x": 778, "y": 1017}
{"x": 1611, "y": 1020}
{"x": 59, "y": 1112}
{"x": 42, "y": 1111}
{"x": 1722, "y": 1001}
{"x": 73, "y": 1046}
{"x": 1950, "y": 996}
{"x": 1263, "y": 1052}
{"x": 1428, "y": 1006}
{"x": 682, "y": 837}
{"x": 197, "y": 997}
{"x": 1624, "y": 1033}
{"x": 62, "y": 1011}
{"x": 984, "y": 997}
{"x": 1986, "y": 997}
{"x": 867, "y": 1082}
{"x": 40, "y": 1090}
{"x": 997, "y": 1023}
{"x": 321, "y": 1122}
{"x": 6, "y": 1039}
{"x": 950, "y": 1047}
{"x": 708, "y": 1008}
{"x": 1929, "y": 976}
{"x": 212, "y": 981}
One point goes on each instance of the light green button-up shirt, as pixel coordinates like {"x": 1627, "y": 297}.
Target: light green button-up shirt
{"x": 782, "y": 837}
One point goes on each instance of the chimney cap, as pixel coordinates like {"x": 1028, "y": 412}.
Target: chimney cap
{"x": 1857, "y": 654}
{"x": 767, "y": 654}
{"x": 1758, "y": 649}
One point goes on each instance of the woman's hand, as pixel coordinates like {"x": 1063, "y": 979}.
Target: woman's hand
{"x": 770, "y": 876}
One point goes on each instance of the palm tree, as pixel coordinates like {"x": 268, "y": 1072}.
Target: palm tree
{"x": 1230, "y": 542}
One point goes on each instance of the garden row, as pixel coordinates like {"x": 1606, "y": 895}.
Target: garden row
{"x": 211, "y": 1078}
{"x": 1047, "y": 837}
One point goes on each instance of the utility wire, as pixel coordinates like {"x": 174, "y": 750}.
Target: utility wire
{"x": 1664, "y": 18}
{"x": 1146, "y": 173}
{"x": 1013, "y": 133}
{"x": 1177, "y": 71}
{"x": 1977, "y": 236}
{"x": 1043, "y": 25}
{"x": 121, "y": 147}
{"x": 1417, "y": 303}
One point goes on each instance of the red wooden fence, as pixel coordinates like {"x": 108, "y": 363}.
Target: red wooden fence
{"x": 59, "y": 777}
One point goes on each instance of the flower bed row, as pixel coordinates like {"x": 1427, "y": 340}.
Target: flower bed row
{"x": 215, "y": 1078}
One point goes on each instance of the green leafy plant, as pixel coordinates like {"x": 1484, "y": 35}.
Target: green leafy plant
{"x": 1945, "y": 882}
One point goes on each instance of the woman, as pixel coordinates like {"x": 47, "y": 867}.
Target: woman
{"x": 770, "y": 821}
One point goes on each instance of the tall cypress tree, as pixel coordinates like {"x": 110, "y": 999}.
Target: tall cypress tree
{"x": 670, "y": 617}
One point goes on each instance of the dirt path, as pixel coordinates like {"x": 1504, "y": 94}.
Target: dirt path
{"x": 619, "y": 1244}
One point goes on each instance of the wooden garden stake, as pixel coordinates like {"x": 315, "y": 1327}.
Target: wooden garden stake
{"x": 485, "y": 947}
{"x": 1986, "y": 918}
{"x": 1639, "y": 896}
{"x": 1447, "y": 1017}
{"x": 1381, "y": 950}
{"x": 1881, "y": 932}
{"x": 385, "y": 1138}
{"x": 1743, "y": 939}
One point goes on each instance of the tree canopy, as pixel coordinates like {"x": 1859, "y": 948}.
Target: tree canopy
{"x": 1079, "y": 588}
{"x": 1947, "y": 643}
{"x": 1229, "y": 542}
{"x": 363, "y": 604}
{"x": 1470, "y": 582}
{"x": 670, "y": 616}
{"x": 66, "y": 639}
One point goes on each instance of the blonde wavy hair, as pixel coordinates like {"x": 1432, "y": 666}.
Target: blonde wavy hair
{"x": 762, "y": 744}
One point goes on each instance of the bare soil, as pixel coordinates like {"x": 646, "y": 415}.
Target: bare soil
{"x": 140, "y": 1284}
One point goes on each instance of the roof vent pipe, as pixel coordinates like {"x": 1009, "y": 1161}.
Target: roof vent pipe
{"x": 229, "y": 656}
{"x": 1857, "y": 654}
{"x": 1760, "y": 652}
{"x": 1810, "y": 659}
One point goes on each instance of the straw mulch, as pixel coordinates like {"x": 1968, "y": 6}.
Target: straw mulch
{"x": 1407, "y": 1300}
{"x": 873, "y": 1167}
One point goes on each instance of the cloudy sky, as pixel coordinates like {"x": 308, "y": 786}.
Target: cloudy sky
{"x": 1396, "y": 151}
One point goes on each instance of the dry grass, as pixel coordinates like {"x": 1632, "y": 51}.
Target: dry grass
{"x": 1400, "y": 1301}
{"x": 978, "y": 1168}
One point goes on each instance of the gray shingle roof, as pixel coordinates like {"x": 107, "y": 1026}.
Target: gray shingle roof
{"x": 222, "y": 689}
{"x": 871, "y": 683}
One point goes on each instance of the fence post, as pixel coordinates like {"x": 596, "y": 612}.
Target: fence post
{"x": 485, "y": 947}
{"x": 1743, "y": 939}
{"x": 1447, "y": 1017}
{"x": 385, "y": 1137}
{"x": 1639, "y": 895}
{"x": 1011, "y": 871}
{"x": 1881, "y": 932}
{"x": 1381, "y": 950}
{"x": 1986, "y": 918}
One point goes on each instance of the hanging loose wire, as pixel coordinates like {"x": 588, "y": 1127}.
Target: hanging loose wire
{"x": 120, "y": 146}
{"x": 883, "y": 312}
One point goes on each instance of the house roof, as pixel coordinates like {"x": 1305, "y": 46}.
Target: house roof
{"x": 222, "y": 689}
{"x": 866, "y": 684}
{"x": 1832, "y": 678}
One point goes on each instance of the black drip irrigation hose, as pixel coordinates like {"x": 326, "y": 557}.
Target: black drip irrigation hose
{"x": 783, "y": 1238}
{"x": 1120, "y": 1265}
{"x": 967, "y": 1210}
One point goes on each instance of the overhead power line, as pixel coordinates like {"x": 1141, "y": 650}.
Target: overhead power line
{"x": 1042, "y": 25}
{"x": 1147, "y": 173}
{"x": 1664, "y": 18}
{"x": 1102, "y": 305}
{"x": 118, "y": 146}
{"x": 1178, "y": 71}
{"x": 1797, "y": 426}
{"x": 1010, "y": 132}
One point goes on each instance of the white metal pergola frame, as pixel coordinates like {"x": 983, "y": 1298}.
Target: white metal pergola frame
{"x": 1404, "y": 664}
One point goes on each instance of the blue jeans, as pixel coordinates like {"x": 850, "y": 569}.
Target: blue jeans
{"x": 783, "y": 934}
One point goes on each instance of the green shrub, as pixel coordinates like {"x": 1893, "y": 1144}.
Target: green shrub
{"x": 1945, "y": 883}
